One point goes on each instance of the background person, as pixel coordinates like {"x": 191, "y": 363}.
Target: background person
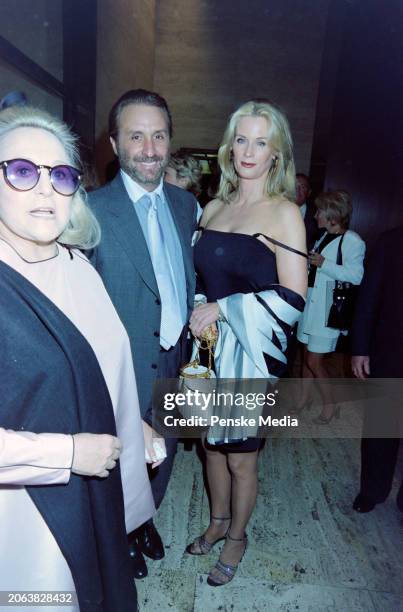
{"x": 302, "y": 194}
{"x": 377, "y": 349}
{"x": 302, "y": 199}
{"x": 13, "y": 98}
{"x": 66, "y": 372}
{"x": 185, "y": 172}
{"x": 251, "y": 262}
{"x": 334, "y": 209}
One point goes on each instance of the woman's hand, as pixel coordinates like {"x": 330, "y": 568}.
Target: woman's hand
{"x": 95, "y": 454}
{"x": 154, "y": 446}
{"x": 316, "y": 259}
{"x": 203, "y": 316}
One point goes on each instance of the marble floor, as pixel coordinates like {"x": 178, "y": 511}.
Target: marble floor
{"x": 308, "y": 550}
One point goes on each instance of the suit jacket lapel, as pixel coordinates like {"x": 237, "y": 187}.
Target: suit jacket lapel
{"x": 128, "y": 230}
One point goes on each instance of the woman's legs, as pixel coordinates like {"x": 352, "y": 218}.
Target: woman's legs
{"x": 306, "y": 371}
{"x": 306, "y": 386}
{"x": 316, "y": 364}
{"x": 243, "y": 469}
{"x": 219, "y": 481}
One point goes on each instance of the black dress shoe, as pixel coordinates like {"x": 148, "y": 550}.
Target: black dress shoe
{"x": 363, "y": 504}
{"x": 139, "y": 566}
{"x": 149, "y": 541}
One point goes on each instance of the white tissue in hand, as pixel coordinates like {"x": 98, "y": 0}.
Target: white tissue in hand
{"x": 159, "y": 451}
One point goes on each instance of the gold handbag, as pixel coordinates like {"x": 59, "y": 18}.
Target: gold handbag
{"x": 193, "y": 369}
{"x": 195, "y": 377}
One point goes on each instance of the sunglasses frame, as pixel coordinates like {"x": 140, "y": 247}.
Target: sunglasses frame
{"x": 39, "y": 167}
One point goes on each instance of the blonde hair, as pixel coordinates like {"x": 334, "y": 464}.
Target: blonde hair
{"x": 336, "y": 205}
{"x": 187, "y": 167}
{"x": 82, "y": 230}
{"x": 281, "y": 177}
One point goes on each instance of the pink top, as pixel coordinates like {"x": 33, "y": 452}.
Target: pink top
{"x": 73, "y": 285}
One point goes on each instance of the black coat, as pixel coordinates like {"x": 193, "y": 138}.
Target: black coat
{"x": 378, "y": 323}
{"x": 311, "y": 227}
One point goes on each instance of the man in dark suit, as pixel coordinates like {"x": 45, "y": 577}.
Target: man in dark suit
{"x": 145, "y": 260}
{"x": 302, "y": 194}
{"x": 377, "y": 349}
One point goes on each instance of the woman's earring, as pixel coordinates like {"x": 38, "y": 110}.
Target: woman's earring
{"x": 274, "y": 164}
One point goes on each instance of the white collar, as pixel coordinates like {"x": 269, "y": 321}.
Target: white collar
{"x": 135, "y": 190}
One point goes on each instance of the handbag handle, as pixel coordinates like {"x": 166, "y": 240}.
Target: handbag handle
{"x": 206, "y": 342}
{"x": 339, "y": 260}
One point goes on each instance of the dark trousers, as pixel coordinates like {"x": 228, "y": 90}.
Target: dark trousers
{"x": 378, "y": 462}
{"x": 379, "y": 454}
{"x": 168, "y": 367}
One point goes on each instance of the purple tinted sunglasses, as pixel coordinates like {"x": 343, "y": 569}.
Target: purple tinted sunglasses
{"x": 23, "y": 175}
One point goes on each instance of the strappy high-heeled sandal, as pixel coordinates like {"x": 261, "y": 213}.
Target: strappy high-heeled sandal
{"x": 226, "y": 570}
{"x": 297, "y": 410}
{"x": 321, "y": 420}
{"x": 204, "y": 546}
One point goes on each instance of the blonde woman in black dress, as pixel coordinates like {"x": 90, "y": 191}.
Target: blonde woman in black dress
{"x": 251, "y": 266}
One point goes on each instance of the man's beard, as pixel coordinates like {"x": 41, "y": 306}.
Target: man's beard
{"x": 128, "y": 165}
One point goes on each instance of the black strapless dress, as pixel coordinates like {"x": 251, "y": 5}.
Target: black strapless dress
{"x": 228, "y": 263}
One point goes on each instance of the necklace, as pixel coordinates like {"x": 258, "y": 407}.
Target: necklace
{"x": 27, "y": 260}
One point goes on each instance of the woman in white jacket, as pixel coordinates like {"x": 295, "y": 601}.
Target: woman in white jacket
{"x": 333, "y": 214}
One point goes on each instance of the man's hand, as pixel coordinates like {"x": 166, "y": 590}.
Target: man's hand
{"x": 154, "y": 446}
{"x": 360, "y": 366}
{"x": 203, "y": 316}
{"x": 95, "y": 454}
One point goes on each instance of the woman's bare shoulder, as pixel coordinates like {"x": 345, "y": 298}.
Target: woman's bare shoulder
{"x": 210, "y": 210}
{"x": 286, "y": 209}
{"x": 285, "y": 223}
{"x": 281, "y": 213}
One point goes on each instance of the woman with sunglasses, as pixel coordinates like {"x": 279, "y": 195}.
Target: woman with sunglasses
{"x": 69, "y": 406}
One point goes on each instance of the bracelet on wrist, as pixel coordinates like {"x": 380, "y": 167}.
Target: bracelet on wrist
{"x": 199, "y": 299}
{"x": 221, "y": 316}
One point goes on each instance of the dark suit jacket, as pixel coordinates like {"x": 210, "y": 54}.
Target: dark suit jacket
{"x": 123, "y": 261}
{"x": 311, "y": 227}
{"x": 378, "y": 322}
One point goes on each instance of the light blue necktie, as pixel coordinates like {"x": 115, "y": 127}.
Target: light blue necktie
{"x": 171, "y": 320}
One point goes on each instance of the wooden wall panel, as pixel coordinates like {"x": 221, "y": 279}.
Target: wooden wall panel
{"x": 364, "y": 135}
{"x": 125, "y": 60}
{"x": 211, "y": 56}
